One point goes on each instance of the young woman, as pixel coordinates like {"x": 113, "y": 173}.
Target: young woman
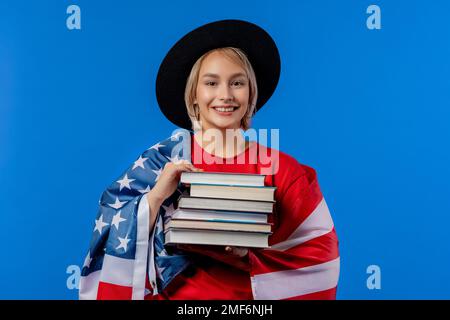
{"x": 224, "y": 71}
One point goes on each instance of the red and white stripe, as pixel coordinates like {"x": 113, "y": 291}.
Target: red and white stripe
{"x": 306, "y": 264}
{"x": 121, "y": 279}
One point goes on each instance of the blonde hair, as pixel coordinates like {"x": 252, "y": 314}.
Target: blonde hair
{"x": 237, "y": 56}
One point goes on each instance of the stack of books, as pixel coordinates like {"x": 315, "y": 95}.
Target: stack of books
{"x": 222, "y": 209}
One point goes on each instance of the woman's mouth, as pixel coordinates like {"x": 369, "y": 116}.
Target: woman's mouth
{"x": 225, "y": 111}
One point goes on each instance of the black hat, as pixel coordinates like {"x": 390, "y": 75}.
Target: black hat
{"x": 257, "y": 44}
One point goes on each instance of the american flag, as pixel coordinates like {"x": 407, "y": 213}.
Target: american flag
{"x": 123, "y": 261}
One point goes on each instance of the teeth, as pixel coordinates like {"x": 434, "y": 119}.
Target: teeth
{"x": 225, "y": 109}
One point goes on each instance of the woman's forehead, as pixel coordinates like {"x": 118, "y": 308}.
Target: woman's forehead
{"x": 217, "y": 62}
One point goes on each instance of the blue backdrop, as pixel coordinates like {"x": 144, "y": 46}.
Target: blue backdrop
{"x": 368, "y": 109}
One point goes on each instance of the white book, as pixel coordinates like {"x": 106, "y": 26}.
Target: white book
{"x": 220, "y": 238}
{"x": 233, "y": 192}
{"x": 217, "y": 215}
{"x": 225, "y": 204}
{"x": 218, "y": 225}
{"x": 227, "y": 178}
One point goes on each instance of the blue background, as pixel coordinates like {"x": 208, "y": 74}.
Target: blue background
{"x": 368, "y": 109}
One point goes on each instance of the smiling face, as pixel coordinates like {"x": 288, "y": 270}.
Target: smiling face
{"x": 222, "y": 93}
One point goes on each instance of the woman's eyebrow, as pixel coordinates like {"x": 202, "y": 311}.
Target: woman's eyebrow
{"x": 213, "y": 75}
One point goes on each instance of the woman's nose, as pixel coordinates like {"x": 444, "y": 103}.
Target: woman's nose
{"x": 226, "y": 93}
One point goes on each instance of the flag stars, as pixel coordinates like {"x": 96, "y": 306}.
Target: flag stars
{"x": 100, "y": 224}
{"x": 176, "y": 136}
{"x": 87, "y": 260}
{"x": 146, "y": 190}
{"x": 117, "y": 219}
{"x": 163, "y": 252}
{"x": 175, "y": 159}
{"x": 125, "y": 182}
{"x": 169, "y": 210}
{"x": 158, "y": 173}
{"x": 118, "y": 204}
{"x": 123, "y": 243}
{"x": 160, "y": 271}
{"x": 139, "y": 163}
{"x": 157, "y": 146}
{"x": 166, "y": 219}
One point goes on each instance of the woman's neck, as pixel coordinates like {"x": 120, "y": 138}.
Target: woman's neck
{"x": 224, "y": 143}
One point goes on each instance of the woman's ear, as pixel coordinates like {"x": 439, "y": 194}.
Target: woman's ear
{"x": 197, "y": 111}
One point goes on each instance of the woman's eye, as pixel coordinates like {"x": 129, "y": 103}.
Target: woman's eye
{"x": 210, "y": 83}
{"x": 238, "y": 83}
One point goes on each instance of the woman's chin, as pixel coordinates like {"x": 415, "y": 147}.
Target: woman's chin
{"x": 224, "y": 126}
{"x": 220, "y": 123}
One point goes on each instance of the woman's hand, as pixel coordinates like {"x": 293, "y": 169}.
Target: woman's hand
{"x": 166, "y": 185}
{"x": 237, "y": 251}
{"x": 234, "y": 256}
{"x": 170, "y": 177}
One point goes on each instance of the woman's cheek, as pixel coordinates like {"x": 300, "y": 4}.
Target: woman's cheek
{"x": 207, "y": 98}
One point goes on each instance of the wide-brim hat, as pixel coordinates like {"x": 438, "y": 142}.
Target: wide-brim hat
{"x": 174, "y": 70}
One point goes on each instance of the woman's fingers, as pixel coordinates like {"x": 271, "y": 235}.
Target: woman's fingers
{"x": 238, "y": 251}
{"x": 181, "y": 161}
{"x": 191, "y": 166}
{"x": 187, "y": 167}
